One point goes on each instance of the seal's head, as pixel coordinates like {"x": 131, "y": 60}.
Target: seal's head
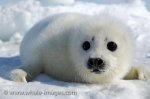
{"x": 101, "y": 49}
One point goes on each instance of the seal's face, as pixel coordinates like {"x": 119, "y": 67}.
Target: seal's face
{"x": 99, "y": 53}
{"x": 97, "y": 62}
{"x": 99, "y": 49}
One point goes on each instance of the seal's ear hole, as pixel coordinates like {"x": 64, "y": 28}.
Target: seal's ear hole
{"x": 86, "y": 45}
{"x": 112, "y": 46}
{"x": 93, "y": 38}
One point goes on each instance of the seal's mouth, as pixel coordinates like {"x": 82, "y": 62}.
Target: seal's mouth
{"x": 97, "y": 71}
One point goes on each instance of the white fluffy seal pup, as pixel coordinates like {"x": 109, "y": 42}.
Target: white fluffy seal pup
{"x": 77, "y": 48}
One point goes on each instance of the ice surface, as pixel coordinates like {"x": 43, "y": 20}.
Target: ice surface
{"x": 18, "y": 16}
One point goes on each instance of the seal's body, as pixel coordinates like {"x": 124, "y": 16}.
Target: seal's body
{"x": 77, "y": 48}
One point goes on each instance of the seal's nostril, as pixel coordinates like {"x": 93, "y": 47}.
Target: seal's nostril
{"x": 95, "y": 63}
{"x": 90, "y": 63}
{"x": 99, "y": 61}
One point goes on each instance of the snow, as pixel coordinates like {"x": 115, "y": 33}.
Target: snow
{"x": 18, "y": 16}
{"x": 54, "y": 2}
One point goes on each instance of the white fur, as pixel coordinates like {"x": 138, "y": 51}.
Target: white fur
{"x": 54, "y": 46}
{"x": 19, "y": 75}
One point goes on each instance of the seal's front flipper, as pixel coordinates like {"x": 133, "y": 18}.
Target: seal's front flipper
{"x": 25, "y": 73}
{"x": 18, "y": 75}
{"x": 136, "y": 72}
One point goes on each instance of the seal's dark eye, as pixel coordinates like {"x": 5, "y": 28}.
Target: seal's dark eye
{"x": 86, "y": 45}
{"x": 112, "y": 46}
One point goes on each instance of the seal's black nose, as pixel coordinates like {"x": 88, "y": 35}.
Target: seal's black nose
{"x": 95, "y": 63}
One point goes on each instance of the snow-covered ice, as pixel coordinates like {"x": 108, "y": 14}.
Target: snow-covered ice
{"x": 18, "y": 16}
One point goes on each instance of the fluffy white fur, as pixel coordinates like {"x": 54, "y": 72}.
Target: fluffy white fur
{"x": 54, "y": 46}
